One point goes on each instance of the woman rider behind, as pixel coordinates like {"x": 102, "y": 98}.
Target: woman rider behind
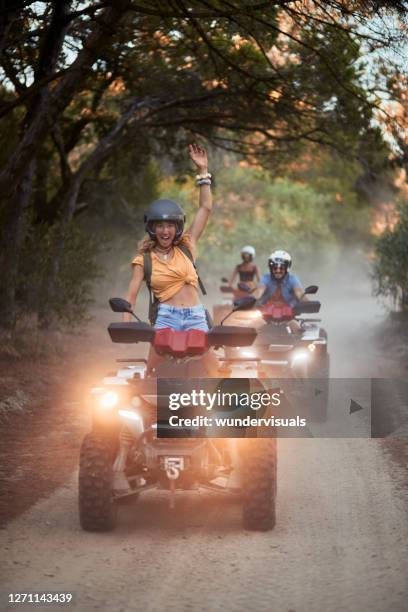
{"x": 174, "y": 280}
{"x": 247, "y": 270}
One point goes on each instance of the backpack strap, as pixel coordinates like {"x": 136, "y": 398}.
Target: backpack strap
{"x": 147, "y": 268}
{"x": 189, "y": 254}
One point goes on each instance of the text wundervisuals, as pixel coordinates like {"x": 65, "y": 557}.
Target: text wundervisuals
{"x": 204, "y": 421}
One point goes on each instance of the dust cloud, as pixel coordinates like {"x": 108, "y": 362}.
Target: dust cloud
{"x": 350, "y": 313}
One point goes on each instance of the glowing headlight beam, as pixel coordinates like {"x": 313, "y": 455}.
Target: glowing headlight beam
{"x": 129, "y": 414}
{"x": 108, "y": 400}
{"x": 300, "y": 356}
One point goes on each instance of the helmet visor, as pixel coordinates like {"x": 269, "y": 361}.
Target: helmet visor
{"x": 277, "y": 265}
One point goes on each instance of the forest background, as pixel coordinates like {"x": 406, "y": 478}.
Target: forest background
{"x": 302, "y": 106}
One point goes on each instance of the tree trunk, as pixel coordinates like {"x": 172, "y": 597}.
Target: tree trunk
{"x": 404, "y": 300}
{"x": 39, "y": 199}
{"x": 106, "y": 146}
{"x": 17, "y": 190}
{"x": 17, "y": 175}
{"x": 13, "y": 238}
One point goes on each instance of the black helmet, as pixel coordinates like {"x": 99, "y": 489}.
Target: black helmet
{"x": 164, "y": 210}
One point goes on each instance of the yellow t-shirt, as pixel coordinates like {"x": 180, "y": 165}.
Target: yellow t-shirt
{"x": 168, "y": 277}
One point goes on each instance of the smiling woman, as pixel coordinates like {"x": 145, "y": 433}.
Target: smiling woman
{"x": 165, "y": 259}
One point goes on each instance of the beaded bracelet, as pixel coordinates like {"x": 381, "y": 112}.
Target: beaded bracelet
{"x": 204, "y": 181}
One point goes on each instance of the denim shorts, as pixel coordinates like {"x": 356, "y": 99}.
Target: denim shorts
{"x": 181, "y": 319}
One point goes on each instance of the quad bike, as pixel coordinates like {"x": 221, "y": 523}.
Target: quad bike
{"x": 124, "y": 435}
{"x": 221, "y": 311}
{"x": 286, "y": 350}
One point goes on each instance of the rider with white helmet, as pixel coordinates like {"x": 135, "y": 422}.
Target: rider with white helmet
{"x": 246, "y": 270}
{"x": 279, "y": 284}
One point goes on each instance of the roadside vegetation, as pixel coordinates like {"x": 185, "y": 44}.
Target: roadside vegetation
{"x": 89, "y": 133}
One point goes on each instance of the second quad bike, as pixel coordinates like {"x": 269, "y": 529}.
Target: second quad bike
{"x": 124, "y": 436}
{"x": 287, "y": 345}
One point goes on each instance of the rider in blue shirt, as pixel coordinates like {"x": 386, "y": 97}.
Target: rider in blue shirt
{"x": 279, "y": 284}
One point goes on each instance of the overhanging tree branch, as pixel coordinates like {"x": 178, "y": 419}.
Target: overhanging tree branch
{"x": 57, "y": 99}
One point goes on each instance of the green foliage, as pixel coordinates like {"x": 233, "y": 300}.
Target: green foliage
{"x": 264, "y": 82}
{"x": 250, "y": 208}
{"x": 391, "y": 265}
{"x": 336, "y": 177}
{"x": 77, "y": 273}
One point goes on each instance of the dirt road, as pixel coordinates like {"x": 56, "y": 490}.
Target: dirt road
{"x": 340, "y": 542}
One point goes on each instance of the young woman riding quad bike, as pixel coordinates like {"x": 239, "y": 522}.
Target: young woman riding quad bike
{"x": 123, "y": 454}
{"x": 247, "y": 271}
{"x": 168, "y": 253}
{"x": 248, "y": 277}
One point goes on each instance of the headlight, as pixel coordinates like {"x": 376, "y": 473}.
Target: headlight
{"x": 311, "y": 347}
{"x": 300, "y": 356}
{"x": 129, "y": 414}
{"x": 108, "y": 400}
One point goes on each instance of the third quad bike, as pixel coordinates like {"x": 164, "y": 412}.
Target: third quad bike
{"x": 124, "y": 436}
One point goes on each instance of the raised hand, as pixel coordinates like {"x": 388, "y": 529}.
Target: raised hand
{"x": 198, "y": 156}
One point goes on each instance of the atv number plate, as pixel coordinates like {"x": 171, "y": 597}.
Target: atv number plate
{"x": 175, "y": 462}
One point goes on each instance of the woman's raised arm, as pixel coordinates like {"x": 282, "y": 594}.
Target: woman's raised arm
{"x": 198, "y": 156}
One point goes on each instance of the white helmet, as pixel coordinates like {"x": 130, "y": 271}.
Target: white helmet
{"x": 280, "y": 257}
{"x": 248, "y": 249}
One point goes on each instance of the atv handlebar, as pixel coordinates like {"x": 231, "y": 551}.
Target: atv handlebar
{"x": 219, "y": 335}
{"x": 282, "y": 312}
{"x": 307, "y": 307}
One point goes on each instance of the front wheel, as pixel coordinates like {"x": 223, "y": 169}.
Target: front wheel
{"x": 97, "y": 509}
{"x": 259, "y": 475}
